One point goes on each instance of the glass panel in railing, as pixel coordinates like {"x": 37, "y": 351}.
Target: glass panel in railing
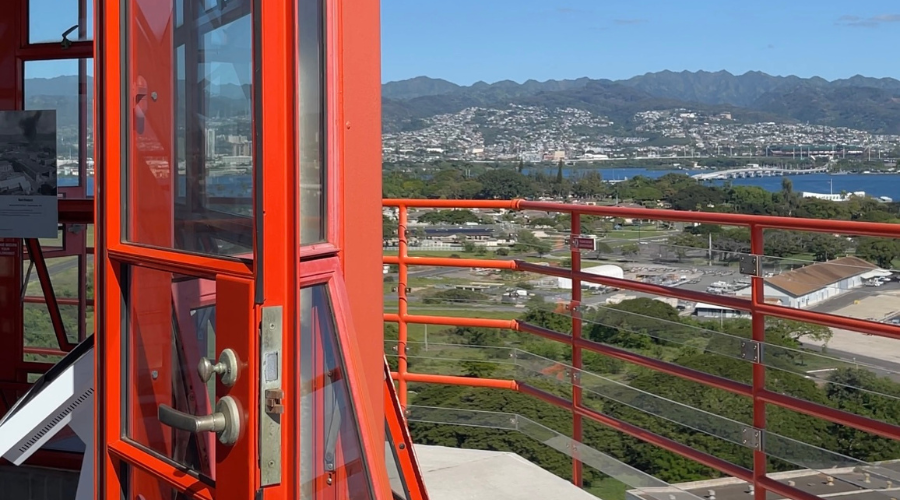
{"x": 454, "y": 359}
{"x": 633, "y": 479}
{"x": 638, "y": 324}
{"x": 548, "y": 374}
{"x": 458, "y": 416}
{"x": 637, "y": 481}
{"x": 802, "y": 362}
{"x": 643, "y": 401}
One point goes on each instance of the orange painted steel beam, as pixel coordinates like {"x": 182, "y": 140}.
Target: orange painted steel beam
{"x": 762, "y": 221}
{"x": 456, "y": 380}
{"x": 402, "y": 439}
{"x": 44, "y": 351}
{"x": 574, "y": 305}
{"x": 75, "y": 211}
{"x": 63, "y": 301}
{"x": 447, "y": 262}
{"x": 483, "y": 204}
{"x": 502, "y": 324}
{"x": 758, "y": 329}
{"x": 40, "y": 266}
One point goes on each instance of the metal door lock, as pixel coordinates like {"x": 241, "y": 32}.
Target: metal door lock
{"x": 227, "y": 368}
{"x": 273, "y": 401}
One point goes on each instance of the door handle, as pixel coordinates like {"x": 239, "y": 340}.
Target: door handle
{"x": 227, "y": 368}
{"x": 225, "y": 422}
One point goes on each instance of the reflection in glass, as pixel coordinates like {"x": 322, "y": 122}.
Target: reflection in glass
{"x": 49, "y": 19}
{"x": 67, "y": 87}
{"x": 190, "y": 169}
{"x": 331, "y": 455}
{"x": 171, "y": 326}
{"x": 312, "y": 121}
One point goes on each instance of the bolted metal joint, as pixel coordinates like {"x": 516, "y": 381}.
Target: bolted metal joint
{"x": 752, "y": 351}
{"x": 752, "y": 437}
{"x": 750, "y": 265}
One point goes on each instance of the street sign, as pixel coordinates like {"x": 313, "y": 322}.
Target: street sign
{"x": 582, "y": 243}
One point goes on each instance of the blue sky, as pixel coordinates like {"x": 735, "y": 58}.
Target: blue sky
{"x": 465, "y": 41}
{"x": 469, "y": 40}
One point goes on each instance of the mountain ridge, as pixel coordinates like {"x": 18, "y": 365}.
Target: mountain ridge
{"x": 861, "y": 102}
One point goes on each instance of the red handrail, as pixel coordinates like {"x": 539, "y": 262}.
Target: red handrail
{"x": 756, "y": 305}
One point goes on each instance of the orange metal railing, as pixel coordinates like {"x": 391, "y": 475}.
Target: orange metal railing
{"x": 756, "y": 304}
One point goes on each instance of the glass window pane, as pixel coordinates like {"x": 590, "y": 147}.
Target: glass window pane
{"x": 331, "y": 456}
{"x": 395, "y": 474}
{"x": 144, "y": 486}
{"x": 171, "y": 326}
{"x": 66, "y": 86}
{"x": 311, "y": 90}
{"x": 190, "y": 163}
{"x": 49, "y": 19}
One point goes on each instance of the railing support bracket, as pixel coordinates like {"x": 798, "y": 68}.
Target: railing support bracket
{"x": 753, "y": 438}
{"x": 752, "y": 351}
{"x": 751, "y": 265}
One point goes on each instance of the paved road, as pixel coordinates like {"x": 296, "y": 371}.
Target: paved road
{"x": 880, "y": 367}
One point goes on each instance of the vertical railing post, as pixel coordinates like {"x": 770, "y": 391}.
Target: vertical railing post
{"x": 403, "y": 310}
{"x": 758, "y": 325}
{"x": 575, "y": 311}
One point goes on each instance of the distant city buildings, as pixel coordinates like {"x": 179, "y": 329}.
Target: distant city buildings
{"x": 534, "y": 134}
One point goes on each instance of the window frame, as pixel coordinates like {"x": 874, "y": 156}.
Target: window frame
{"x": 123, "y": 213}
{"x": 327, "y": 271}
{"x": 331, "y": 128}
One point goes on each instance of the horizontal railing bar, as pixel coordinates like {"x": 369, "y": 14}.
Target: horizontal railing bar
{"x": 63, "y": 301}
{"x": 637, "y": 286}
{"x": 44, "y": 351}
{"x": 447, "y": 262}
{"x": 502, "y": 324}
{"x": 819, "y": 318}
{"x": 834, "y": 415}
{"x": 761, "y": 221}
{"x": 456, "y": 380}
{"x": 422, "y": 203}
{"x": 830, "y": 414}
{"x": 830, "y": 320}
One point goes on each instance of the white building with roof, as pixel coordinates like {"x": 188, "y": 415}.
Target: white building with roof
{"x": 816, "y": 283}
{"x": 609, "y": 271}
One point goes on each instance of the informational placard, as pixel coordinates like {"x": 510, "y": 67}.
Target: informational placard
{"x": 582, "y": 243}
{"x": 28, "y": 200}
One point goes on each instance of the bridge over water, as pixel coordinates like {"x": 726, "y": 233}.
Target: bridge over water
{"x": 738, "y": 173}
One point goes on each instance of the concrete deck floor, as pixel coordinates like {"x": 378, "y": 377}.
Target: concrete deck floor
{"x": 459, "y": 474}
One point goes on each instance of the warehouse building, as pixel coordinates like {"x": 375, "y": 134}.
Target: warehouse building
{"x": 815, "y": 283}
